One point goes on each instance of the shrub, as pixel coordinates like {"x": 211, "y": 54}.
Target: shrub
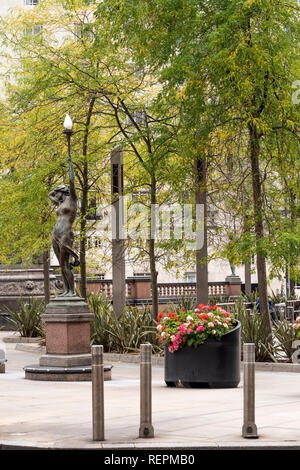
{"x": 187, "y": 303}
{"x": 285, "y": 335}
{"x": 252, "y": 331}
{"x": 124, "y": 334}
{"x": 27, "y": 320}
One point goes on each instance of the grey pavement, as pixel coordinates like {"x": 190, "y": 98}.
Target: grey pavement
{"x": 59, "y": 414}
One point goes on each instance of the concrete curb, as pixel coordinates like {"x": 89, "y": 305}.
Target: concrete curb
{"x": 277, "y": 367}
{"x": 35, "y": 348}
{"x": 150, "y": 445}
{"x": 159, "y": 361}
{"x": 20, "y": 339}
{"x": 131, "y": 358}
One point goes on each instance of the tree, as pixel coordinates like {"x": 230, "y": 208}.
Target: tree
{"x": 150, "y": 136}
{"x": 234, "y": 61}
{"x": 50, "y": 79}
{"x": 105, "y": 95}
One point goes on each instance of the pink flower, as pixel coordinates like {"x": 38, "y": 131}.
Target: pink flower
{"x": 200, "y": 328}
{"x": 190, "y": 330}
{"x": 210, "y": 324}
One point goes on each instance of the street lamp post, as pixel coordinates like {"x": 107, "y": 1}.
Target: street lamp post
{"x": 68, "y": 125}
{"x": 67, "y": 317}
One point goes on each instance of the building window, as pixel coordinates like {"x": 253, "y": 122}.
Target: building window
{"x": 33, "y": 30}
{"x": 190, "y": 277}
{"x": 97, "y": 242}
{"x": 83, "y": 31}
{"x": 31, "y": 2}
{"x": 92, "y": 211}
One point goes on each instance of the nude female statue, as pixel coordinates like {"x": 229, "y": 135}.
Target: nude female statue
{"x": 65, "y": 198}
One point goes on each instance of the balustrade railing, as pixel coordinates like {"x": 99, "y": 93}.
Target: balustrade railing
{"x": 166, "y": 290}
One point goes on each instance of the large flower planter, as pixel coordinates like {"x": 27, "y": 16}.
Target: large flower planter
{"x": 214, "y": 364}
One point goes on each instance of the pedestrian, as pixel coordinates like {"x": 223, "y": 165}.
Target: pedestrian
{"x": 271, "y": 309}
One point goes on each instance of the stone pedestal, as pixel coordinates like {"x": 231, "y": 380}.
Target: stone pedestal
{"x": 68, "y": 350}
{"x": 234, "y": 286}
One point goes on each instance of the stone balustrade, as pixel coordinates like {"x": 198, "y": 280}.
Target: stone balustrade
{"x": 138, "y": 289}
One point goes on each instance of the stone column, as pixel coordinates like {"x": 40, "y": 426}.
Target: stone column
{"x": 140, "y": 292}
{"x": 234, "y": 286}
{"x": 118, "y": 246}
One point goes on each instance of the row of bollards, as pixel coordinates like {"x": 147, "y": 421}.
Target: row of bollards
{"x": 146, "y": 428}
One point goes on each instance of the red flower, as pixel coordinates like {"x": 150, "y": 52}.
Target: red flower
{"x": 203, "y": 317}
{"x": 160, "y": 315}
{"x": 172, "y": 315}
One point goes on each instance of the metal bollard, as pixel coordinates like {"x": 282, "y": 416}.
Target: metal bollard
{"x": 249, "y": 427}
{"x": 98, "y": 393}
{"x": 146, "y": 428}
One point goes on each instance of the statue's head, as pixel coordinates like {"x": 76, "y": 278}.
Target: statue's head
{"x": 61, "y": 192}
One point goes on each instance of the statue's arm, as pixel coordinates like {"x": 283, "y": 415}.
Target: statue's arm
{"x": 52, "y": 197}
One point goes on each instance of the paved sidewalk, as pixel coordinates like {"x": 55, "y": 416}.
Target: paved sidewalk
{"x": 58, "y": 414}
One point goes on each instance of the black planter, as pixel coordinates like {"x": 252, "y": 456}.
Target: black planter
{"x": 214, "y": 364}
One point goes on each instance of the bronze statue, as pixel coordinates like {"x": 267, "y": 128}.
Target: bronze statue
{"x": 65, "y": 198}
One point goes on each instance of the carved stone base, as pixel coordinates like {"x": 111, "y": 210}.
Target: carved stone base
{"x": 63, "y": 374}
{"x": 65, "y": 360}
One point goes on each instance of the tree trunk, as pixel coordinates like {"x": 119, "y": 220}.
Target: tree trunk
{"x": 259, "y": 229}
{"x": 84, "y": 202}
{"x": 46, "y": 269}
{"x": 293, "y": 211}
{"x": 247, "y": 278}
{"x": 201, "y": 254}
{"x": 82, "y": 254}
{"x": 152, "y": 258}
